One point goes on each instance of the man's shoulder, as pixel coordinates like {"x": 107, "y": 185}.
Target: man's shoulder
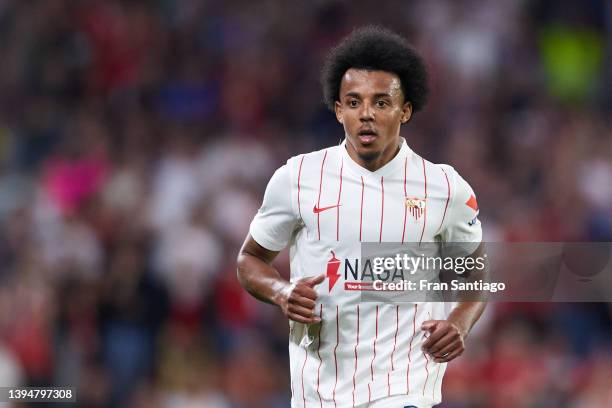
{"x": 445, "y": 171}
{"x": 447, "y": 168}
{"x": 446, "y": 176}
{"x": 303, "y": 165}
{"x": 457, "y": 186}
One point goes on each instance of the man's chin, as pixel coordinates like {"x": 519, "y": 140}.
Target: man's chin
{"x": 366, "y": 152}
{"x": 368, "y": 155}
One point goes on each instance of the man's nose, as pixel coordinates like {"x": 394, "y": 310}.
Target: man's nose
{"x": 366, "y": 113}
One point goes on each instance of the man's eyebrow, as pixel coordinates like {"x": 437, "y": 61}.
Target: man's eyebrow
{"x": 378, "y": 95}
{"x": 353, "y": 94}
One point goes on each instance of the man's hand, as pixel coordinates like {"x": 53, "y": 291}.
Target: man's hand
{"x": 262, "y": 280}
{"x": 298, "y": 300}
{"x": 445, "y": 341}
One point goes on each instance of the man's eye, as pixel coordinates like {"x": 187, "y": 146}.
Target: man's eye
{"x": 381, "y": 104}
{"x": 352, "y": 103}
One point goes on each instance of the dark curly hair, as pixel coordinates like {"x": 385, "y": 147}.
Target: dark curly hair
{"x": 377, "y": 49}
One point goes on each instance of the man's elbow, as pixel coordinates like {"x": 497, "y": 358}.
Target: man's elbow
{"x": 241, "y": 269}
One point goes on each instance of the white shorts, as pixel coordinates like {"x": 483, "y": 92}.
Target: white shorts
{"x": 395, "y": 401}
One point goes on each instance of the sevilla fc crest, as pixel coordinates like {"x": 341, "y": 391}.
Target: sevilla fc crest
{"x": 416, "y": 206}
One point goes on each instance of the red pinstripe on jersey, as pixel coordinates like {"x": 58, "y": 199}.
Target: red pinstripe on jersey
{"x": 426, "y": 371}
{"x": 375, "y": 338}
{"x": 447, "y": 200}
{"x": 319, "y": 199}
{"x": 303, "y": 366}
{"x": 410, "y": 349}
{"x": 382, "y": 206}
{"x": 361, "y": 210}
{"x": 405, "y": 195}
{"x": 356, "y": 357}
{"x": 425, "y": 209}
{"x": 338, "y": 203}
{"x": 395, "y": 338}
{"x": 335, "y": 348}
{"x": 426, "y": 364}
{"x": 433, "y": 392}
{"x": 299, "y": 178}
{"x": 319, "y": 355}
{"x": 393, "y": 352}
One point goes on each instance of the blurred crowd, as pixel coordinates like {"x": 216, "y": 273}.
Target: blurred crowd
{"x": 136, "y": 140}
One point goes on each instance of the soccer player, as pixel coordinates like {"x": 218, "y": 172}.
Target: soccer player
{"x": 370, "y": 188}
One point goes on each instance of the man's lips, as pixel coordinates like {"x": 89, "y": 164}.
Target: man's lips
{"x": 367, "y": 139}
{"x": 367, "y": 136}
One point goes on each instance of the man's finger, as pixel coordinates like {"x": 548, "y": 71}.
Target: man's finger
{"x": 435, "y": 335}
{"x": 449, "y": 338}
{"x": 451, "y": 356}
{"x": 297, "y": 299}
{"x": 301, "y": 319}
{"x": 302, "y": 311}
{"x": 305, "y": 291}
{"x": 429, "y": 325}
{"x": 314, "y": 280}
{"x": 448, "y": 349}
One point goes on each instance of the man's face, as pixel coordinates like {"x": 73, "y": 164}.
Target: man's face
{"x": 372, "y": 109}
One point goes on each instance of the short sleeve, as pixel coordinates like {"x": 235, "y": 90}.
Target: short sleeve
{"x": 275, "y": 220}
{"x": 463, "y": 225}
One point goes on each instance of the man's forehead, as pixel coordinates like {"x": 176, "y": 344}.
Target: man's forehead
{"x": 366, "y": 81}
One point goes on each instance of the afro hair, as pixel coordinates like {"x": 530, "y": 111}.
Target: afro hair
{"x": 375, "y": 48}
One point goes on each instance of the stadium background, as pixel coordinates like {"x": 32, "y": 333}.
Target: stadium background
{"x": 137, "y": 137}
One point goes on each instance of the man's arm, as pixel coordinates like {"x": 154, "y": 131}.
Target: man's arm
{"x": 257, "y": 275}
{"x": 446, "y": 340}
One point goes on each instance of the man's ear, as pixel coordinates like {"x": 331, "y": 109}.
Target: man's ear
{"x": 406, "y": 112}
{"x": 338, "y": 109}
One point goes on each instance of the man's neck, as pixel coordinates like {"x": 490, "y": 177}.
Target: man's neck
{"x": 372, "y": 165}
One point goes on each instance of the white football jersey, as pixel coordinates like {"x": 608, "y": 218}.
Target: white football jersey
{"x": 324, "y": 205}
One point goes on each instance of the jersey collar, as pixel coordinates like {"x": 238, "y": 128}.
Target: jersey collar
{"x": 396, "y": 164}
